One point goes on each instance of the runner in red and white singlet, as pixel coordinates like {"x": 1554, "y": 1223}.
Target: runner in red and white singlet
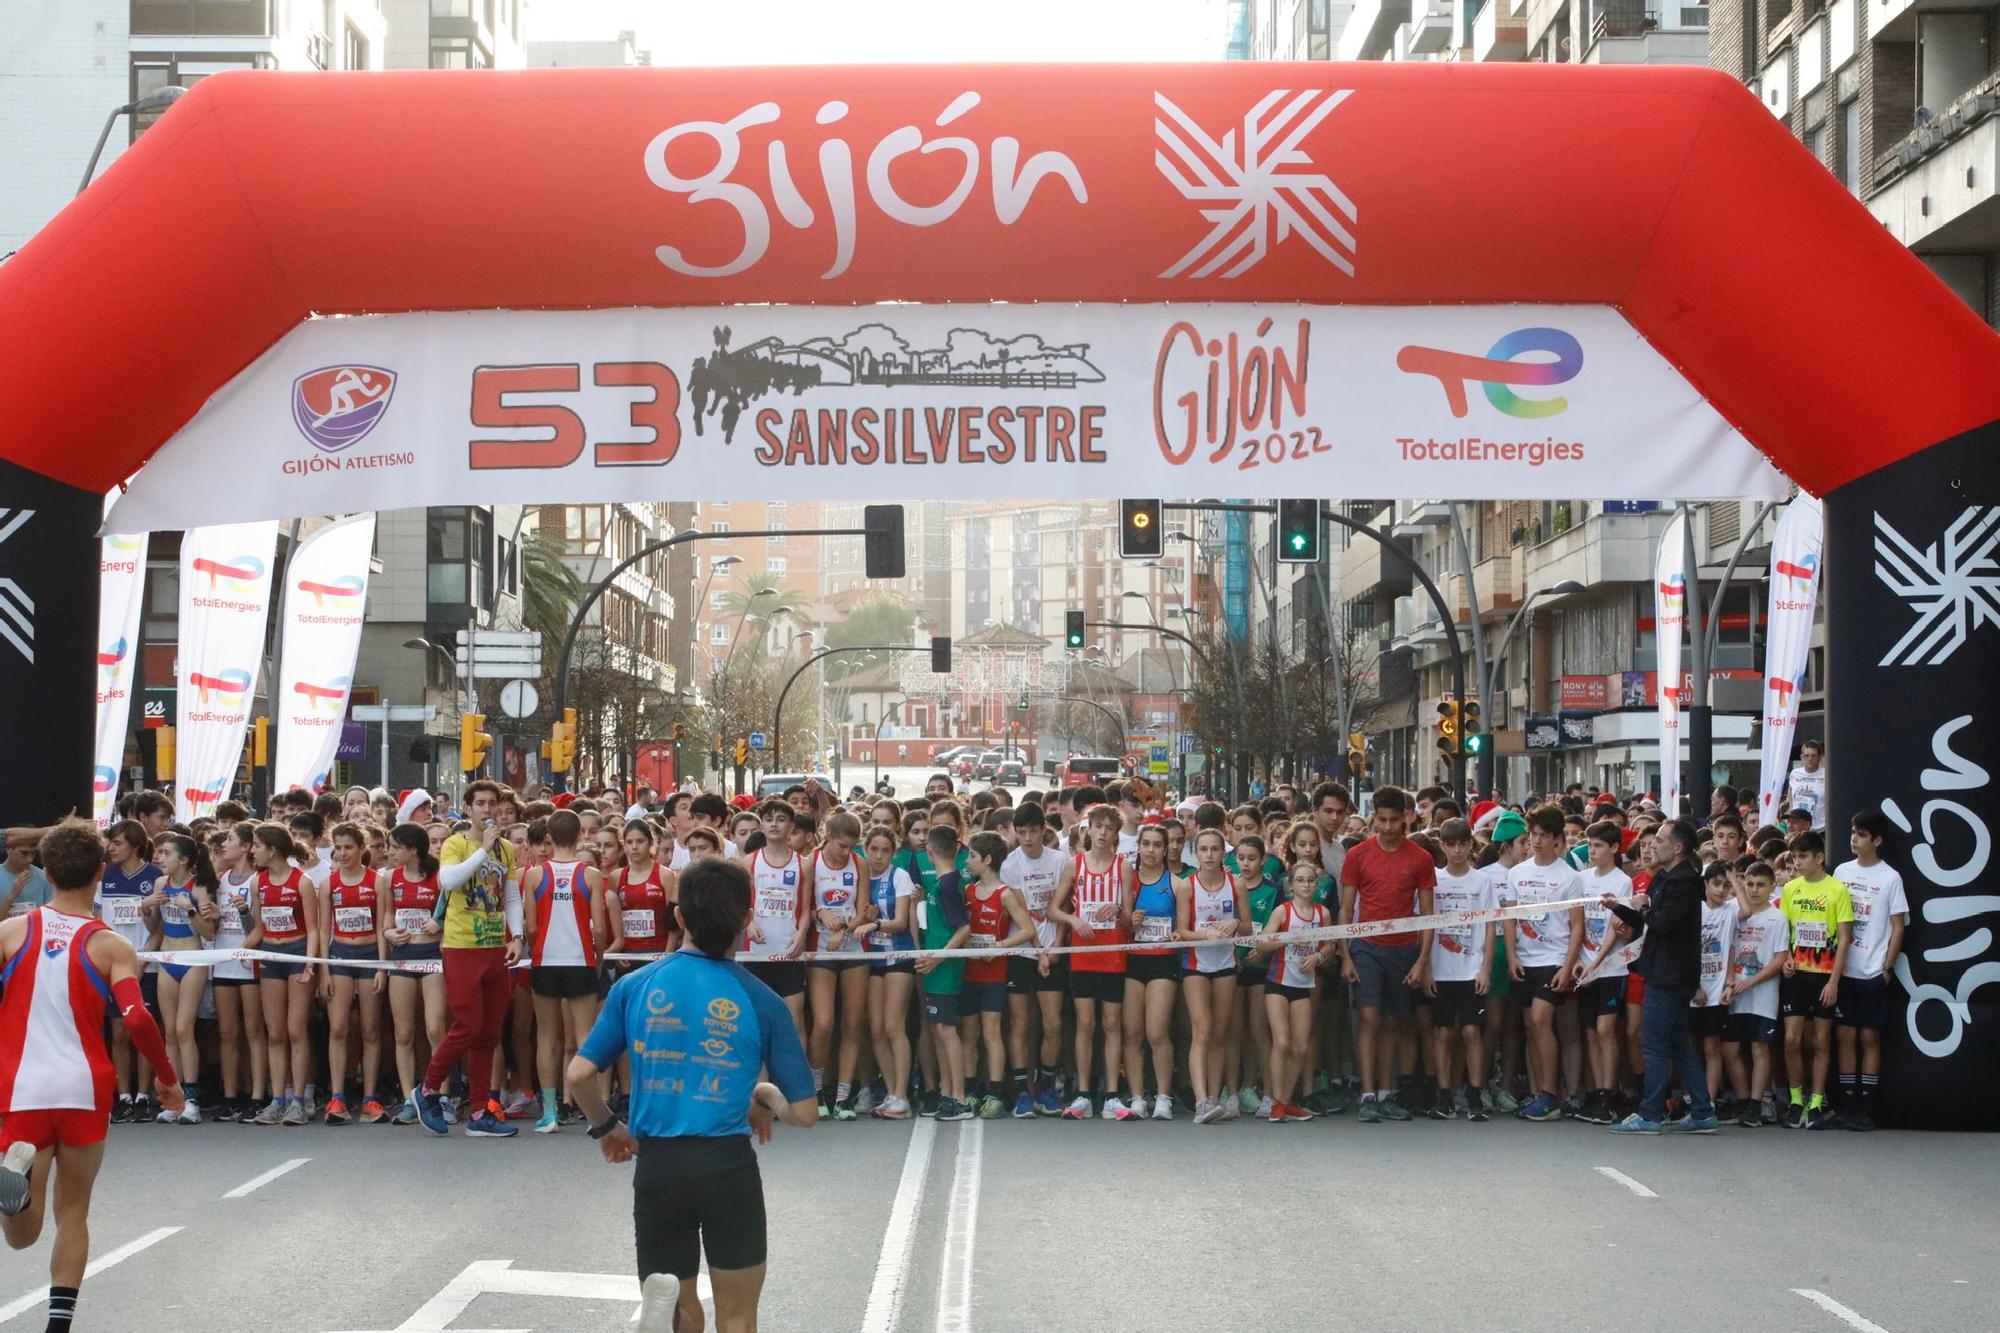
{"x": 287, "y": 921}
{"x": 1090, "y": 901}
{"x": 355, "y": 912}
{"x": 566, "y": 918}
{"x": 412, "y": 886}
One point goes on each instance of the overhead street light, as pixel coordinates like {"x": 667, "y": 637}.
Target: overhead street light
{"x": 157, "y": 100}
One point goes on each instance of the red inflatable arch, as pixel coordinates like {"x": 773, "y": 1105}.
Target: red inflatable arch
{"x": 1667, "y": 195}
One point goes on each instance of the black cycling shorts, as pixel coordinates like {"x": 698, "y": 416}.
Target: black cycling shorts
{"x": 692, "y": 1196}
{"x": 558, "y": 981}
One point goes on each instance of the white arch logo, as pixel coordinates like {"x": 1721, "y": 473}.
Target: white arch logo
{"x": 17, "y": 609}
{"x": 1953, "y": 584}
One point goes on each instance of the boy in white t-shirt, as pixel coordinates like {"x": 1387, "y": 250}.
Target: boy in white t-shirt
{"x": 1881, "y": 912}
{"x": 1459, "y": 978}
{"x": 1601, "y": 970}
{"x": 1762, "y": 944}
{"x": 1509, "y": 836}
{"x": 1719, "y": 911}
{"x": 1035, "y": 991}
{"x": 1542, "y": 950}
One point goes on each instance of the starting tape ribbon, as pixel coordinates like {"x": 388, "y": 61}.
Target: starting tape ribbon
{"x": 1359, "y": 930}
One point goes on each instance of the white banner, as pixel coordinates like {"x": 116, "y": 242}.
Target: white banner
{"x": 319, "y": 636}
{"x": 225, "y": 595}
{"x": 1794, "y": 591}
{"x": 941, "y": 402}
{"x": 1669, "y": 626}
{"x": 121, "y": 592}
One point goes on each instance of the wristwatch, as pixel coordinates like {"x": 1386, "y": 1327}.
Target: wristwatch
{"x": 599, "y": 1131}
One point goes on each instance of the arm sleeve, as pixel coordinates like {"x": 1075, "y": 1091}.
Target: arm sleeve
{"x": 140, "y": 1027}
{"x": 510, "y": 903}
{"x": 451, "y": 874}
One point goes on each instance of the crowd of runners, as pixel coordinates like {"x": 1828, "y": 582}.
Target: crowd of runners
{"x": 517, "y": 914}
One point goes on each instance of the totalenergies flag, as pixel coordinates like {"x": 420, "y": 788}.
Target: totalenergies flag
{"x": 1670, "y": 624}
{"x": 121, "y": 590}
{"x": 225, "y": 599}
{"x": 319, "y": 636}
{"x": 1794, "y": 593}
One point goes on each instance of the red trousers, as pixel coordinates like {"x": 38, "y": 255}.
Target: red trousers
{"x": 478, "y": 991}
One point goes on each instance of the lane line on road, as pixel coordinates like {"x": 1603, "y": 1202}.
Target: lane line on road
{"x": 954, "y": 1306}
{"x": 36, "y": 1297}
{"x": 259, "y": 1182}
{"x": 885, "y": 1295}
{"x": 1838, "y": 1311}
{"x": 1613, "y": 1173}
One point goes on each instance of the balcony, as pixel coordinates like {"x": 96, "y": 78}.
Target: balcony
{"x": 1498, "y": 35}
{"x": 1430, "y": 27}
{"x": 1367, "y": 575}
{"x": 1499, "y": 582}
{"x": 1946, "y": 204}
{"x": 1371, "y": 27}
{"x": 1604, "y": 548}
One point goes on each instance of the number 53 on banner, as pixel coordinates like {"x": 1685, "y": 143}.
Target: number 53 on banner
{"x": 655, "y": 415}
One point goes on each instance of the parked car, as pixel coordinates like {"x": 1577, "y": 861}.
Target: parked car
{"x": 986, "y": 765}
{"x": 1011, "y": 773}
{"x": 946, "y": 758}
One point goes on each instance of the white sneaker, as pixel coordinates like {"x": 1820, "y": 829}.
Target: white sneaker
{"x": 865, "y": 1103}
{"x": 1115, "y": 1109}
{"x": 1228, "y": 1109}
{"x": 190, "y": 1114}
{"x": 1264, "y": 1109}
{"x": 166, "y": 1117}
{"x": 1163, "y": 1107}
{"x": 1206, "y": 1110}
{"x": 1080, "y": 1109}
{"x": 15, "y": 1168}
{"x": 658, "y": 1295}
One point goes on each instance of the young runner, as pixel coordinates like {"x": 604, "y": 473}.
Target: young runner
{"x": 1602, "y": 970}
{"x": 1094, "y": 885}
{"x": 1294, "y": 974}
{"x": 1881, "y": 912}
{"x": 1035, "y": 984}
{"x": 1459, "y": 976}
{"x": 639, "y": 898}
{"x": 353, "y": 920}
{"x": 1383, "y": 878}
{"x": 130, "y": 882}
{"x": 998, "y": 920}
{"x": 563, "y": 900}
{"x": 1252, "y": 1046}
{"x": 890, "y": 981}
{"x": 1542, "y": 952}
{"x": 1757, "y": 963}
{"x": 1822, "y": 917}
{"x": 412, "y": 886}
{"x": 62, "y": 972}
{"x": 944, "y": 923}
{"x": 1211, "y": 909}
{"x": 182, "y": 923}
{"x": 1152, "y": 975}
{"x": 837, "y": 985}
{"x": 777, "y": 933}
{"x": 287, "y": 922}
{"x": 239, "y": 1009}
{"x": 1719, "y": 912}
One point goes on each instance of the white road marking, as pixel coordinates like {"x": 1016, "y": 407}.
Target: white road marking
{"x": 899, "y": 1238}
{"x": 257, "y": 1183}
{"x": 499, "y": 1277}
{"x": 1839, "y": 1311}
{"x": 954, "y": 1307}
{"x": 1612, "y": 1173}
{"x": 34, "y": 1299}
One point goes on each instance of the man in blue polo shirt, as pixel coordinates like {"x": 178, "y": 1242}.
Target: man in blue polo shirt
{"x": 698, "y": 1027}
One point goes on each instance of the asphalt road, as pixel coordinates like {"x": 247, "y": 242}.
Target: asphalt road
{"x": 1047, "y": 1224}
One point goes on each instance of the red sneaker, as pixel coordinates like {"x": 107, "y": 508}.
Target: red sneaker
{"x": 372, "y": 1112}
{"x": 336, "y": 1111}
{"x": 1293, "y": 1111}
{"x": 1278, "y": 1110}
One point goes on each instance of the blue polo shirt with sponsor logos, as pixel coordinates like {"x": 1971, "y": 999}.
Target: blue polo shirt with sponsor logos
{"x": 698, "y": 1030}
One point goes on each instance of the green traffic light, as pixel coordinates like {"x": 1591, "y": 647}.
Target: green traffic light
{"x": 1474, "y": 744}
{"x": 1298, "y": 541}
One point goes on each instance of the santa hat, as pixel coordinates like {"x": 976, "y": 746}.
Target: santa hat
{"x": 562, "y": 800}
{"x": 743, "y": 801}
{"x": 413, "y": 800}
{"x": 1483, "y": 813}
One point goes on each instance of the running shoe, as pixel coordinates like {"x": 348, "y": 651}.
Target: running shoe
{"x": 1768, "y": 1108}
{"x": 1689, "y": 1124}
{"x": 1636, "y": 1124}
{"x": 190, "y": 1114}
{"x": 166, "y": 1117}
{"x": 548, "y": 1124}
{"x": 1250, "y": 1101}
{"x": 1227, "y": 1109}
{"x": 1441, "y": 1108}
{"x": 406, "y": 1114}
{"x": 144, "y": 1108}
{"x": 483, "y": 1126}
{"x": 1163, "y": 1107}
{"x": 431, "y": 1111}
{"x": 950, "y": 1108}
{"x": 1861, "y": 1118}
{"x": 1476, "y": 1106}
{"x": 522, "y": 1107}
{"x": 295, "y": 1114}
{"x": 1503, "y": 1101}
{"x": 1116, "y": 1109}
{"x": 1542, "y": 1108}
{"x": 1276, "y": 1112}
{"x": 927, "y": 1102}
{"x": 1048, "y": 1102}
{"x": 1794, "y": 1115}
{"x": 121, "y": 1113}
{"x": 1206, "y": 1109}
{"x": 1024, "y": 1106}
{"x": 1751, "y": 1118}
{"x": 1371, "y": 1111}
{"x": 270, "y": 1114}
{"x": 1264, "y": 1105}
{"x": 824, "y": 1110}
{"x": 372, "y": 1112}
{"x": 1077, "y": 1110}
{"x": 844, "y": 1110}
{"x": 866, "y": 1101}
{"x": 1816, "y": 1118}
{"x": 451, "y": 1107}
{"x": 990, "y": 1107}
{"x": 569, "y": 1114}
{"x": 1293, "y": 1111}
{"x": 658, "y": 1295}
{"x": 15, "y": 1169}
{"x": 336, "y": 1111}
{"x": 892, "y": 1108}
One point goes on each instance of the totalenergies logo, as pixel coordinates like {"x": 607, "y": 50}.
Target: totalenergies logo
{"x": 1801, "y": 572}
{"x": 125, "y": 542}
{"x": 1673, "y": 594}
{"x": 239, "y": 572}
{"x": 224, "y": 686}
{"x": 114, "y": 654}
{"x": 1498, "y": 370}
{"x": 347, "y": 588}
{"x": 327, "y": 695}
{"x": 335, "y": 406}
{"x": 213, "y": 791}
{"x": 103, "y": 780}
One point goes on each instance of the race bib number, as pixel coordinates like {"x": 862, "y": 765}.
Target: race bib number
{"x": 280, "y": 920}
{"x": 1711, "y": 966}
{"x": 232, "y": 916}
{"x": 1810, "y": 934}
{"x": 1038, "y": 897}
{"x": 1155, "y": 930}
{"x": 978, "y": 941}
{"x": 1101, "y": 916}
{"x": 415, "y": 920}
{"x": 175, "y": 913}
{"x": 775, "y": 903}
{"x": 1296, "y": 955}
{"x": 638, "y": 922}
{"x": 121, "y": 912}
{"x": 353, "y": 920}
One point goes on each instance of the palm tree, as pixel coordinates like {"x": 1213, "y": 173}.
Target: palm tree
{"x": 550, "y": 591}
{"x": 761, "y": 592}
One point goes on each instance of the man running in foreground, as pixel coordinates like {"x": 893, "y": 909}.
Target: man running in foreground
{"x": 62, "y": 967}
{"x": 698, "y": 1027}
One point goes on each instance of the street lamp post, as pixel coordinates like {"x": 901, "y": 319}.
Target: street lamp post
{"x": 778, "y": 714}
{"x": 157, "y": 100}
{"x": 1497, "y": 663}
{"x": 467, "y": 704}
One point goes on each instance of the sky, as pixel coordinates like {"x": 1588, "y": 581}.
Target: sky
{"x": 840, "y": 32}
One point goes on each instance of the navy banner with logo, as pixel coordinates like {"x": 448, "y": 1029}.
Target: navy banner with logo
{"x": 1913, "y": 609}
{"x": 49, "y": 559}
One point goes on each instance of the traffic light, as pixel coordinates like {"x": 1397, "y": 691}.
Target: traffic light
{"x": 742, "y": 752}
{"x": 1357, "y": 756}
{"x": 562, "y": 742}
{"x": 1468, "y": 727}
{"x": 941, "y": 654}
{"x": 679, "y": 731}
{"x": 1073, "y": 629}
{"x": 1023, "y": 705}
{"x": 1299, "y": 530}
{"x": 883, "y": 553}
{"x": 472, "y": 742}
{"x": 1141, "y": 536}
{"x": 1448, "y": 728}
{"x": 163, "y": 754}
